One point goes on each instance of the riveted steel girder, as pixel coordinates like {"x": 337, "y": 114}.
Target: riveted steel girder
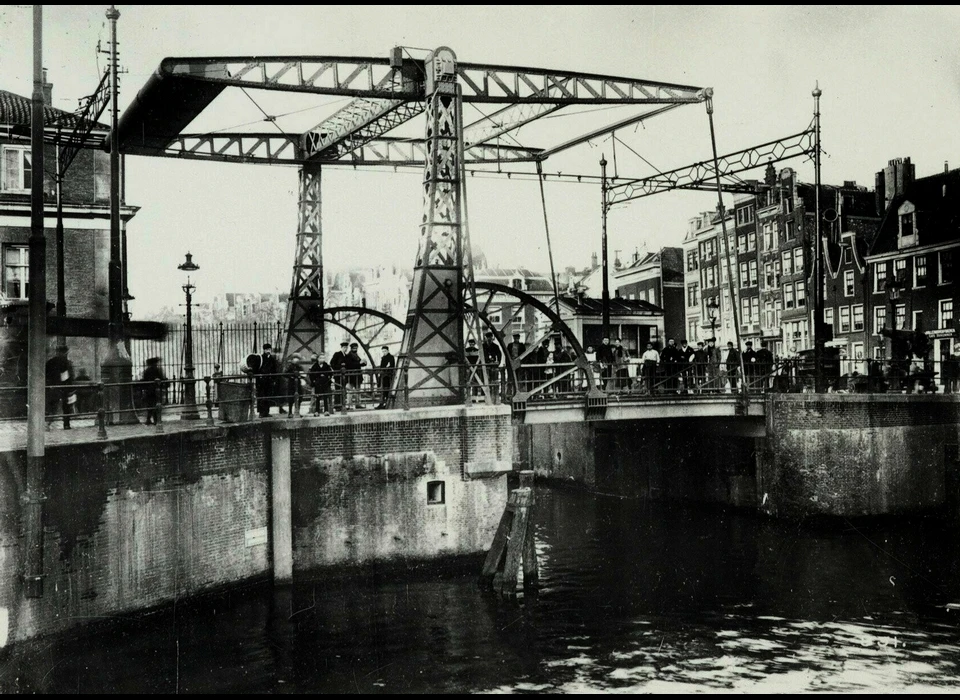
{"x": 698, "y": 175}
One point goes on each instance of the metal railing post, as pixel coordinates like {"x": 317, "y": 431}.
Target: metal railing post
{"x": 101, "y": 414}
{"x": 405, "y": 391}
{"x": 343, "y": 390}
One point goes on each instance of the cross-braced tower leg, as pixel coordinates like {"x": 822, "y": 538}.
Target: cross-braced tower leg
{"x": 432, "y": 350}
{"x": 304, "y": 310}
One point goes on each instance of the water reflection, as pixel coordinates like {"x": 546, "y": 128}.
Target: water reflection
{"x": 633, "y": 597}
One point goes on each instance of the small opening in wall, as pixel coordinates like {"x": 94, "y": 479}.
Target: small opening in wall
{"x": 436, "y": 492}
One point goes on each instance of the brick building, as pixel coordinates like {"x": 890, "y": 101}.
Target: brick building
{"x": 86, "y": 221}
{"x": 911, "y": 262}
{"x": 656, "y": 278}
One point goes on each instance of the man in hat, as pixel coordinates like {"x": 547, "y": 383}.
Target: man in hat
{"x": 59, "y": 377}
{"x": 153, "y": 394}
{"x": 749, "y": 366}
{"x": 388, "y": 365}
{"x": 491, "y": 358}
{"x": 472, "y": 355}
{"x": 699, "y": 366}
{"x": 354, "y": 366}
{"x": 295, "y": 379}
{"x": 731, "y": 364}
{"x": 321, "y": 378}
{"x": 267, "y": 381}
{"x": 338, "y": 363}
{"x": 514, "y": 351}
{"x": 764, "y": 364}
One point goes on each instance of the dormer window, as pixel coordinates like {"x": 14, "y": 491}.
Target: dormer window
{"x": 907, "y": 235}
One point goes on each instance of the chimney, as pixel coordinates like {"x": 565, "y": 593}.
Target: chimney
{"x": 946, "y": 167}
{"x": 636, "y": 254}
{"x": 878, "y": 189}
{"x": 47, "y": 90}
{"x": 593, "y": 260}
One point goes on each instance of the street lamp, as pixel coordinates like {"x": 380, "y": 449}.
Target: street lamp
{"x": 712, "y": 308}
{"x": 190, "y": 411}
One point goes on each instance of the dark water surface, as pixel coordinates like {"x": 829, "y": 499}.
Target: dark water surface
{"x": 634, "y": 597}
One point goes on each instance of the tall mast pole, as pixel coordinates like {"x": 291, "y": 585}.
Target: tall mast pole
{"x": 603, "y": 219}
{"x": 818, "y": 339}
{"x": 37, "y": 334}
{"x": 115, "y": 278}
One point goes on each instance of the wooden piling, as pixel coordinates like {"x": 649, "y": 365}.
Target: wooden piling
{"x": 513, "y": 547}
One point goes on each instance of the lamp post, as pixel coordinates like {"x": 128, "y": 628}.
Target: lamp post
{"x": 712, "y": 308}
{"x": 190, "y": 411}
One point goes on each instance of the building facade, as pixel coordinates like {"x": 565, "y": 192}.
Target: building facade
{"x": 658, "y": 279}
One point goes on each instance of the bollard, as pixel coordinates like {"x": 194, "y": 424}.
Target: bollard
{"x": 101, "y": 414}
{"x": 158, "y": 405}
{"x": 206, "y": 381}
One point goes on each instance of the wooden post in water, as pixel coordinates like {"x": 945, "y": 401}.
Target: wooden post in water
{"x": 531, "y": 572}
{"x": 512, "y": 546}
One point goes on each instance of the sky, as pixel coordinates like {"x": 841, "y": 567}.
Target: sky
{"x": 890, "y": 78}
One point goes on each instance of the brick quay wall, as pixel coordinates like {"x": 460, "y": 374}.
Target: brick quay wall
{"x": 843, "y": 455}
{"x": 138, "y": 522}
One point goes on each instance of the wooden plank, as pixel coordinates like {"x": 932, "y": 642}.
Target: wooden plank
{"x": 492, "y": 563}
{"x": 511, "y": 567}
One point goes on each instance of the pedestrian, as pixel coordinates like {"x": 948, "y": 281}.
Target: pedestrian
{"x": 153, "y": 394}
{"x": 296, "y": 382}
{"x": 621, "y": 362}
{"x": 61, "y": 396}
{"x": 267, "y": 381}
{"x": 321, "y": 379}
{"x": 764, "y": 365}
{"x": 515, "y": 351}
{"x": 564, "y": 358}
{"x": 714, "y": 379}
{"x": 388, "y": 365}
{"x": 749, "y": 367}
{"x": 686, "y": 354}
{"x": 472, "y": 356}
{"x": 651, "y": 358}
{"x": 671, "y": 360}
{"x": 354, "y": 366}
{"x": 605, "y": 358}
{"x": 338, "y": 363}
{"x": 731, "y": 363}
{"x": 700, "y": 366}
{"x": 491, "y": 358}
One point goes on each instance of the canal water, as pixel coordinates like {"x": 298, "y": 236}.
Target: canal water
{"x": 633, "y": 597}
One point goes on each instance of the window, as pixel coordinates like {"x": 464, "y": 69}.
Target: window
{"x": 16, "y": 272}
{"x": 17, "y": 169}
{"x": 788, "y": 298}
{"x": 693, "y": 295}
{"x": 920, "y": 271}
{"x": 787, "y": 258}
{"x": 751, "y": 241}
{"x": 435, "y": 492}
{"x": 710, "y": 277}
{"x": 787, "y": 205}
{"x": 828, "y": 317}
{"x": 844, "y": 319}
{"x": 900, "y": 269}
{"x": 857, "y": 317}
{"x": 879, "y": 277}
{"x": 744, "y": 311}
{"x": 879, "y": 318}
{"x": 753, "y": 273}
{"x": 768, "y": 317}
{"x": 901, "y": 316}
{"x": 517, "y": 284}
{"x": 801, "y": 293}
{"x": 744, "y": 277}
{"x": 946, "y": 313}
{"x": 848, "y": 285}
{"x": 918, "y": 320}
{"x": 691, "y": 260}
{"x": 692, "y": 333}
{"x": 742, "y": 243}
{"x": 755, "y": 309}
{"x": 768, "y": 280}
{"x": 789, "y": 230}
{"x": 946, "y": 266}
{"x": 769, "y": 236}
{"x": 907, "y": 224}
{"x": 798, "y": 259}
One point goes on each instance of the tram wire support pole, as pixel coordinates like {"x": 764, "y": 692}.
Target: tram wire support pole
{"x": 116, "y": 366}
{"x": 817, "y": 272}
{"x": 603, "y": 239}
{"x": 32, "y": 498}
{"x": 733, "y": 273}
